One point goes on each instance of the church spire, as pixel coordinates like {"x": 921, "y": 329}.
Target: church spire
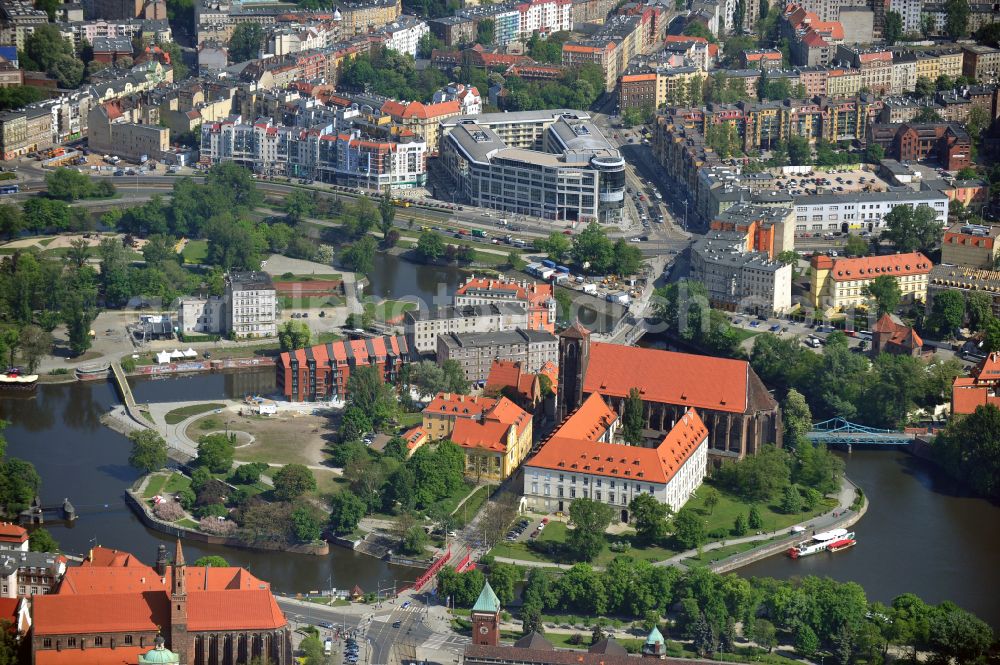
{"x": 178, "y": 554}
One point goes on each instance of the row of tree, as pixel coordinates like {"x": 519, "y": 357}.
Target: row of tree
{"x": 811, "y": 613}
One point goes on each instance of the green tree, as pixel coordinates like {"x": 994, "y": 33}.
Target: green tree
{"x": 874, "y": 153}
{"x": 42, "y": 541}
{"x": 485, "y": 31}
{"x": 593, "y": 250}
{"x": 791, "y": 500}
{"x": 307, "y": 522}
{"x": 799, "y": 152}
{"x": 346, "y": 510}
{"x": 911, "y": 230}
{"x": 806, "y": 642}
{"x": 886, "y": 292}
{"x": 67, "y": 184}
{"x": 590, "y": 520}
{"x": 796, "y": 417}
{"x": 454, "y": 377}
{"x": 740, "y": 525}
{"x": 627, "y": 258}
{"x": 689, "y": 528}
{"x": 430, "y": 246}
{"x": 978, "y": 309}
{"x": 711, "y": 498}
{"x": 893, "y": 28}
{"x": 632, "y": 420}
{"x": 387, "y": 213}
{"x": 211, "y": 561}
{"x": 969, "y": 449}
{"x": 946, "y": 313}
{"x": 754, "y": 520}
{"x": 956, "y": 635}
{"x": 149, "y": 450}
{"x": 372, "y": 395}
{"x": 856, "y": 246}
{"x": 650, "y": 517}
{"x": 360, "y": 256}
{"x": 215, "y": 452}
{"x": 292, "y": 481}
{"x": 246, "y": 42}
{"x": 956, "y": 20}
{"x": 504, "y": 577}
{"x": 293, "y": 335}
{"x": 557, "y": 245}
{"x": 764, "y": 634}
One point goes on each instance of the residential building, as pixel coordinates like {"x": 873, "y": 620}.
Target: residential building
{"x": 964, "y": 280}
{"x": 115, "y": 129}
{"x": 862, "y": 211}
{"x": 621, "y": 38}
{"x": 875, "y": 66}
{"x": 403, "y": 34}
{"x": 981, "y": 63}
{"x": 495, "y": 434}
{"x": 761, "y": 59}
{"x": 829, "y": 10}
{"x": 453, "y": 30}
{"x": 948, "y": 143}
{"x": 516, "y": 22}
{"x": 251, "y": 309}
{"x": 767, "y": 229}
{"x": 652, "y": 88}
{"x": 423, "y": 326}
{"x": 910, "y": 12}
{"x": 731, "y": 400}
{"x": 129, "y": 9}
{"x": 202, "y": 316}
{"x": 738, "y": 279}
{"x": 25, "y": 573}
{"x": 971, "y": 246}
{"x": 836, "y": 284}
{"x": 114, "y": 608}
{"x": 321, "y": 372}
{"x": 977, "y": 389}
{"x": 475, "y": 352}
{"x": 13, "y": 538}
{"x": 890, "y": 335}
{"x": 18, "y": 20}
{"x": 470, "y": 102}
{"x": 537, "y": 298}
{"x": 26, "y": 131}
{"x": 109, "y": 49}
{"x": 424, "y": 120}
{"x": 581, "y": 460}
{"x": 526, "y": 389}
{"x": 576, "y": 175}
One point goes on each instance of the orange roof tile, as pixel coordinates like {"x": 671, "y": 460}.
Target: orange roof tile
{"x": 116, "y": 656}
{"x": 486, "y": 435}
{"x": 720, "y": 384}
{"x": 12, "y": 533}
{"x": 870, "y": 267}
{"x": 589, "y": 422}
{"x": 60, "y": 614}
{"x": 453, "y": 404}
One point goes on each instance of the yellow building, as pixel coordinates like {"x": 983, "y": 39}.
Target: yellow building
{"x": 837, "y": 284}
{"x": 495, "y": 434}
{"x": 971, "y": 245}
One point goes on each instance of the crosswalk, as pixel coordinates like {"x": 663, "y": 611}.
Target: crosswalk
{"x": 441, "y": 640}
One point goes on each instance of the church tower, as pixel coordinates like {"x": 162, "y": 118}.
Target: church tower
{"x": 180, "y": 642}
{"x": 574, "y": 353}
{"x": 486, "y": 618}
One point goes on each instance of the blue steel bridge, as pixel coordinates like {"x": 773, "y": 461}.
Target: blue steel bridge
{"x": 840, "y": 431}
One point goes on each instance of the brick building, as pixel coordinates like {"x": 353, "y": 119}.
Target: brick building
{"x": 114, "y": 609}
{"x": 977, "y": 389}
{"x": 734, "y": 404}
{"x": 948, "y": 143}
{"x": 321, "y": 372}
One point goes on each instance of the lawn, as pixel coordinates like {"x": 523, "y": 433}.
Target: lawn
{"x": 288, "y": 277}
{"x": 730, "y": 505}
{"x": 556, "y": 532}
{"x": 195, "y": 251}
{"x": 743, "y": 334}
{"x": 468, "y": 510}
{"x": 328, "y": 482}
{"x": 185, "y": 412}
{"x": 408, "y": 420}
{"x": 449, "y": 503}
{"x": 154, "y": 485}
{"x": 388, "y": 310}
{"x": 326, "y": 338}
{"x": 177, "y": 482}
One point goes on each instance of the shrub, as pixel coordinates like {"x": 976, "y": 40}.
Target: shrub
{"x": 217, "y": 527}
{"x": 168, "y": 511}
{"x": 128, "y": 364}
{"x": 211, "y": 510}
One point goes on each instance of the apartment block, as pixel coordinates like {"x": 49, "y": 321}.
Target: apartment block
{"x": 251, "y": 305}
{"x": 422, "y": 326}
{"x": 738, "y": 279}
{"x": 475, "y": 352}
{"x": 971, "y": 246}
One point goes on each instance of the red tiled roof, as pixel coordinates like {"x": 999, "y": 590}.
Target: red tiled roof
{"x": 590, "y": 420}
{"x": 719, "y": 384}
{"x": 656, "y": 465}
{"x": 485, "y": 435}
{"x": 103, "y": 556}
{"x": 465, "y": 406}
{"x": 870, "y": 267}
{"x": 12, "y": 533}
{"x": 229, "y": 610}
{"x": 60, "y": 614}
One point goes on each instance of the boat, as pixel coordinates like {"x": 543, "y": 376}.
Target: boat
{"x": 15, "y": 379}
{"x": 820, "y": 542}
{"x": 842, "y": 544}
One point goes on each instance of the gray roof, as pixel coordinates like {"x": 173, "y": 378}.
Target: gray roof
{"x": 721, "y": 247}
{"x": 503, "y": 337}
{"x": 487, "y": 119}
{"x": 745, "y": 212}
{"x": 466, "y": 311}
{"x": 11, "y": 561}
{"x": 249, "y": 281}
{"x": 902, "y": 196}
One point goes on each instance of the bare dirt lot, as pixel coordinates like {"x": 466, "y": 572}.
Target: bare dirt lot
{"x": 288, "y": 437}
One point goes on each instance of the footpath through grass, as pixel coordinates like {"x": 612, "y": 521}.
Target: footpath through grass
{"x": 183, "y": 413}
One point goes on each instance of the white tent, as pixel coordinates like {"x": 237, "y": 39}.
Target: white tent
{"x": 163, "y": 357}
{"x": 190, "y": 353}
{"x": 176, "y": 353}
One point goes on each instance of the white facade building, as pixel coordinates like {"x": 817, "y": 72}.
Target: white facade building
{"x": 422, "y": 327}
{"x": 740, "y": 280}
{"x": 910, "y": 11}
{"x": 404, "y": 34}
{"x": 861, "y": 211}
{"x": 201, "y": 316}
{"x": 470, "y": 102}
{"x": 515, "y": 22}
{"x": 251, "y": 305}
{"x": 580, "y": 461}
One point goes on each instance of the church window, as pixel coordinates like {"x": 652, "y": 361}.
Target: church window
{"x": 98, "y": 641}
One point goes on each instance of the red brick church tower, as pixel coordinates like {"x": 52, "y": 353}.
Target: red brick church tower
{"x": 574, "y": 356}
{"x": 180, "y": 642}
{"x": 486, "y": 618}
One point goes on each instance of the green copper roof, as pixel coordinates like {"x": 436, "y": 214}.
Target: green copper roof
{"x": 655, "y": 637}
{"x": 158, "y": 656}
{"x": 488, "y": 601}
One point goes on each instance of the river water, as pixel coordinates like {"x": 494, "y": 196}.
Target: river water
{"x": 921, "y": 534}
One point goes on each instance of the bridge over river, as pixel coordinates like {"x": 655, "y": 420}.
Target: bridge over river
{"x": 840, "y": 431}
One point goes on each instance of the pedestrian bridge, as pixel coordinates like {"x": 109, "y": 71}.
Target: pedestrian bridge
{"x": 843, "y": 432}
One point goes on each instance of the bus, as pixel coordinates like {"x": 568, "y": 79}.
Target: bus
{"x": 9, "y": 189}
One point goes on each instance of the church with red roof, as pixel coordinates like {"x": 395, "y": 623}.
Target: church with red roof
{"x": 731, "y": 400}
{"x": 114, "y": 609}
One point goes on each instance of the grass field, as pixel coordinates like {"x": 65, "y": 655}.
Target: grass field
{"x": 730, "y": 505}
{"x": 388, "y": 310}
{"x": 471, "y": 506}
{"x": 185, "y": 412}
{"x": 288, "y": 277}
{"x": 195, "y": 251}
{"x": 154, "y": 486}
{"x": 408, "y": 420}
{"x": 163, "y": 483}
